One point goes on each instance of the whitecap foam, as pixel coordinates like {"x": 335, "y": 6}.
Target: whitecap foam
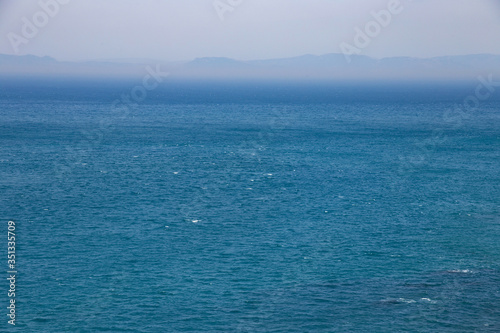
{"x": 461, "y": 271}
{"x": 428, "y": 300}
{"x": 398, "y": 301}
{"x": 407, "y": 301}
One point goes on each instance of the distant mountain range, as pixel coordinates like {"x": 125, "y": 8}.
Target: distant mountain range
{"x": 328, "y": 66}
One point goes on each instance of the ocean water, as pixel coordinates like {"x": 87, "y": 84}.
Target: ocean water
{"x": 356, "y": 212}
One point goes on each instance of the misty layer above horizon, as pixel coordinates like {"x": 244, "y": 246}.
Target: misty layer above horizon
{"x": 310, "y": 67}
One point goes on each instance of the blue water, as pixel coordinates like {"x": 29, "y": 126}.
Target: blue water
{"x": 369, "y": 214}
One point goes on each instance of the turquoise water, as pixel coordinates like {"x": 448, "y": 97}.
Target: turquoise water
{"x": 268, "y": 216}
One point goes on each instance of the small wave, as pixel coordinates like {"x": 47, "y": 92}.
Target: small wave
{"x": 404, "y": 300}
{"x": 397, "y": 301}
{"x": 428, "y": 300}
{"x": 460, "y": 271}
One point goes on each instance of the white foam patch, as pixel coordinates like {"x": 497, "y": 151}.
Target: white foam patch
{"x": 407, "y": 301}
{"x": 428, "y": 300}
{"x": 462, "y": 271}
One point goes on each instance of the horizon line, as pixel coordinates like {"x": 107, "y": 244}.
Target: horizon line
{"x": 124, "y": 60}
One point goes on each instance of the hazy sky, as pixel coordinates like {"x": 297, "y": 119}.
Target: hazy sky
{"x": 251, "y": 29}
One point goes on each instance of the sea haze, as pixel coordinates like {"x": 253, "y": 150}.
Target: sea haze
{"x": 330, "y": 67}
{"x": 252, "y": 206}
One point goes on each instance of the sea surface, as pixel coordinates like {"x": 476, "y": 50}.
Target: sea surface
{"x": 251, "y": 210}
